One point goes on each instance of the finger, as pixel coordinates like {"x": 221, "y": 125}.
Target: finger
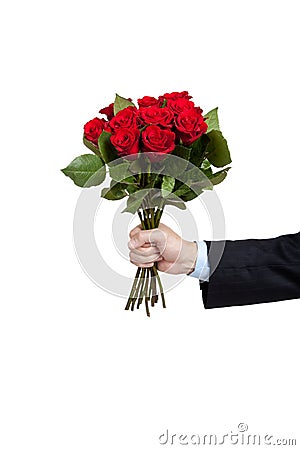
{"x": 146, "y": 251}
{"x": 135, "y": 230}
{"x": 143, "y": 259}
{"x": 154, "y": 236}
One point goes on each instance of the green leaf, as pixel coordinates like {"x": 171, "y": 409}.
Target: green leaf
{"x": 129, "y": 180}
{"x": 217, "y": 149}
{"x": 156, "y": 199}
{"x": 192, "y": 175}
{"x": 135, "y": 166}
{"x": 177, "y": 203}
{"x": 204, "y": 183}
{"x": 135, "y": 200}
{"x": 220, "y": 176}
{"x": 107, "y": 150}
{"x": 120, "y": 171}
{"x": 86, "y": 170}
{"x": 206, "y": 168}
{"x": 167, "y": 185}
{"x": 140, "y": 164}
{"x": 121, "y": 103}
{"x": 131, "y": 188}
{"x": 198, "y": 149}
{"x": 116, "y": 191}
{"x": 205, "y": 164}
{"x": 176, "y": 166}
{"x": 182, "y": 190}
{"x": 194, "y": 190}
{"x": 182, "y": 152}
{"x": 190, "y": 195}
{"x": 153, "y": 178}
{"x": 91, "y": 146}
{"x": 208, "y": 172}
{"x": 172, "y": 200}
{"x": 212, "y": 120}
{"x": 193, "y": 186}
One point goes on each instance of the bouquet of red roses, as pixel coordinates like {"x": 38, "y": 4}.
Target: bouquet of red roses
{"x": 159, "y": 153}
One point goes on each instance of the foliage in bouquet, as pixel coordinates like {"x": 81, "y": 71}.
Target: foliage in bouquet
{"x": 161, "y": 152}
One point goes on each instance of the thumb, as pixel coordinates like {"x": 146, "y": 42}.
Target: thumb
{"x": 155, "y": 237}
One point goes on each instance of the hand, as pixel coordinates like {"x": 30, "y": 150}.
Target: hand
{"x": 162, "y": 245}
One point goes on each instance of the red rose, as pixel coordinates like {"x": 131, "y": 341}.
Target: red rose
{"x": 180, "y": 104}
{"x": 159, "y": 141}
{"x": 108, "y": 110}
{"x": 93, "y": 129}
{"x": 175, "y": 95}
{"x": 126, "y": 118}
{"x": 154, "y": 115}
{"x": 190, "y": 125}
{"x": 148, "y": 101}
{"x": 126, "y": 141}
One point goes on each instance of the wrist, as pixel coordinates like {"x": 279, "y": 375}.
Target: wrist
{"x": 190, "y": 259}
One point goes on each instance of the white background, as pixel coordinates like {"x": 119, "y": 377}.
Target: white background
{"x": 77, "y": 371}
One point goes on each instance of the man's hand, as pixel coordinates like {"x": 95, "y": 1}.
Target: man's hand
{"x": 162, "y": 245}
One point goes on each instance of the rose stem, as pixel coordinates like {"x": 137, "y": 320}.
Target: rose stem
{"x": 160, "y": 287}
{"x": 138, "y": 293}
{"x": 158, "y": 215}
{"x": 133, "y": 292}
{"x": 157, "y": 220}
{"x": 156, "y": 293}
{"x": 142, "y": 278}
{"x": 148, "y": 226}
{"x": 146, "y": 293}
{"x": 153, "y": 281}
{"x": 149, "y": 287}
{"x": 141, "y": 219}
{"x": 140, "y": 289}
{"x": 151, "y": 272}
{"x": 146, "y": 219}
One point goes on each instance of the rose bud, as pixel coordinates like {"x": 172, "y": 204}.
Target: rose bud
{"x": 149, "y": 101}
{"x": 175, "y": 95}
{"x": 93, "y": 129}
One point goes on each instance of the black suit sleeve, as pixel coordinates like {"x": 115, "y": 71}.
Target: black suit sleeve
{"x": 253, "y": 271}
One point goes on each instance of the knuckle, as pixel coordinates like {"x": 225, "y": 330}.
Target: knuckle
{"x": 133, "y": 262}
{"x": 131, "y": 243}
